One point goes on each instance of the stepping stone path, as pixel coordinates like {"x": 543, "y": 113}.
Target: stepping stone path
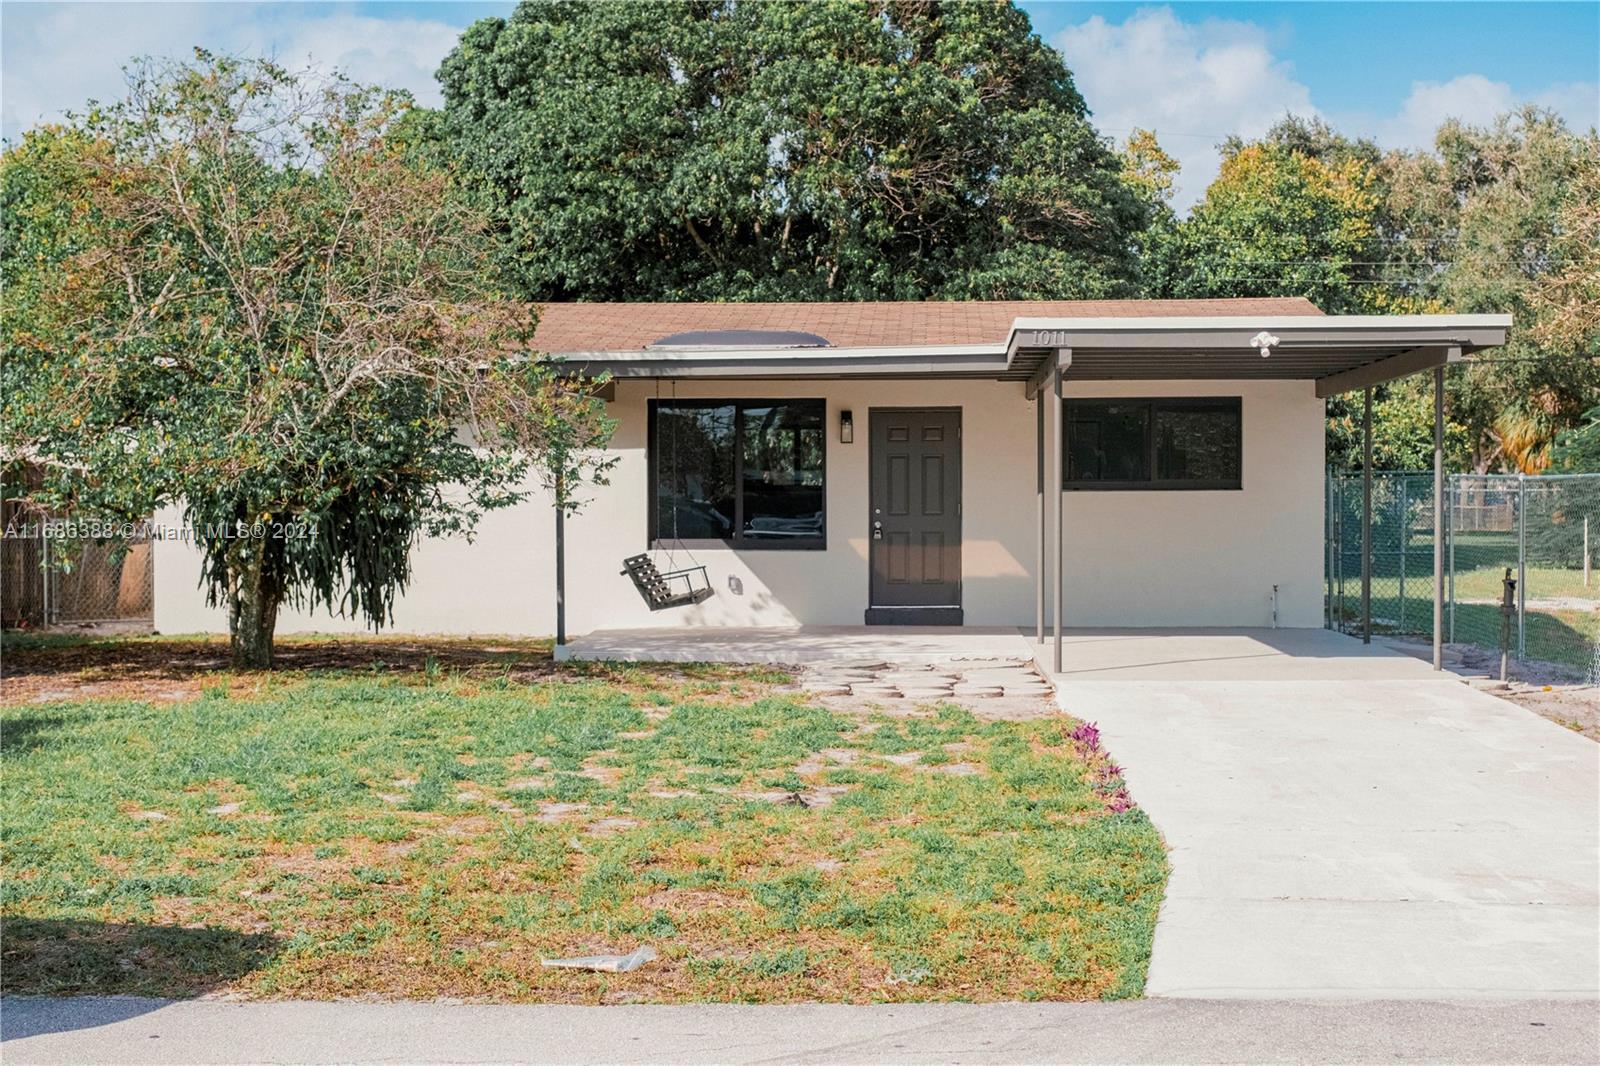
{"x": 966, "y": 681}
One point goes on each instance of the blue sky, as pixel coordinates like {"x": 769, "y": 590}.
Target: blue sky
{"x": 1194, "y": 72}
{"x": 1528, "y": 45}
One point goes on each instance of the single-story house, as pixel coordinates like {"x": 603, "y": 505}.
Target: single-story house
{"x": 884, "y": 463}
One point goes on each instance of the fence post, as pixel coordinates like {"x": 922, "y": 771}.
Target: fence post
{"x": 1366, "y": 516}
{"x": 1338, "y": 532}
{"x": 1585, "y": 551}
{"x": 1507, "y": 605}
{"x": 1327, "y": 541}
{"x": 1405, "y": 534}
{"x": 1522, "y": 566}
{"x": 1450, "y": 525}
{"x": 45, "y": 536}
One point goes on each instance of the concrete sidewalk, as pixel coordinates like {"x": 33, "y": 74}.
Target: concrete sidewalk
{"x": 136, "y": 1031}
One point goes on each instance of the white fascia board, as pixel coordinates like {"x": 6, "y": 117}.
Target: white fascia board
{"x": 1176, "y": 323}
{"x": 1205, "y": 332}
{"x": 759, "y": 355}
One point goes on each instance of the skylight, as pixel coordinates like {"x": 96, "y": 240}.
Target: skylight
{"x": 741, "y": 339}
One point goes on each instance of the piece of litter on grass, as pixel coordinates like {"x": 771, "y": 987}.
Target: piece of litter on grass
{"x": 908, "y": 977}
{"x": 605, "y": 963}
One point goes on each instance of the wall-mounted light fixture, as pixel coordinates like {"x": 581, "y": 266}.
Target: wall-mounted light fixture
{"x": 847, "y": 427}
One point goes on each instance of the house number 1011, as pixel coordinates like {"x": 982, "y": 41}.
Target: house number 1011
{"x": 1051, "y": 338}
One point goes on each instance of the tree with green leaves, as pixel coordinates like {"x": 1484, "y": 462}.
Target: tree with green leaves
{"x": 1278, "y": 221}
{"x": 1297, "y": 213}
{"x": 709, "y": 149}
{"x": 240, "y": 291}
{"x": 1493, "y": 221}
{"x": 1402, "y": 429}
{"x": 1577, "y": 451}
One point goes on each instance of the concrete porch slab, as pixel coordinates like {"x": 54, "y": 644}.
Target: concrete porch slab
{"x": 1199, "y": 654}
{"x": 796, "y": 645}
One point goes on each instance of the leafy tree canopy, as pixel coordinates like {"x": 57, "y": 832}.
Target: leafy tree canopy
{"x": 826, "y": 150}
{"x": 237, "y": 290}
{"x": 1279, "y": 222}
{"x": 1501, "y": 220}
{"x": 1577, "y": 451}
{"x": 1493, "y": 220}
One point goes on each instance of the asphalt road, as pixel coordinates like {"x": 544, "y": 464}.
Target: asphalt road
{"x": 124, "y": 1030}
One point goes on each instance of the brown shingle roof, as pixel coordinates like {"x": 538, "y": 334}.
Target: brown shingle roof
{"x": 615, "y": 327}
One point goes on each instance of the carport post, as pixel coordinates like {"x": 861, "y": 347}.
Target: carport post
{"x": 1438, "y": 518}
{"x": 1057, "y": 487}
{"x": 1366, "y": 516}
{"x": 1038, "y": 555}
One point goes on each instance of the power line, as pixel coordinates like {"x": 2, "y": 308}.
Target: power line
{"x": 1336, "y": 261}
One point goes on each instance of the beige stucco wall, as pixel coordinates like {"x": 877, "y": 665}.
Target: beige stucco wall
{"x": 1134, "y": 558}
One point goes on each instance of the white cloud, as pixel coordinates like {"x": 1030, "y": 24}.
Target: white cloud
{"x": 1192, "y": 83}
{"x": 1195, "y": 83}
{"x": 1475, "y": 99}
{"x": 57, "y": 56}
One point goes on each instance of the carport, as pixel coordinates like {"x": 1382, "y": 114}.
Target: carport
{"x": 1340, "y": 354}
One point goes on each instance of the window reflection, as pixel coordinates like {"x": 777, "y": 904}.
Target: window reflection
{"x": 694, "y": 471}
{"x": 783, "y": 471}
{"x": 745, "y": 471}
{"x": 1157, "y": 443}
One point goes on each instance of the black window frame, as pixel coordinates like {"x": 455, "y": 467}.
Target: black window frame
{"x": 738, "y": 540}
{"x": 1234, "y": 404}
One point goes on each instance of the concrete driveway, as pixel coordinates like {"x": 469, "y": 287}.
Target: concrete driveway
{"x": 1346, "y": 823}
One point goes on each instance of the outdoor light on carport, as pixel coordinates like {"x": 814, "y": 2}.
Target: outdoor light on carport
{"x": 847, "y": 427}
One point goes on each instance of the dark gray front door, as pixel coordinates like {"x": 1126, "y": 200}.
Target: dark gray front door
{"x": 916, "y": 516}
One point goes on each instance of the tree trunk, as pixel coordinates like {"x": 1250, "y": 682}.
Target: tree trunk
{"x": 252, "y": 609}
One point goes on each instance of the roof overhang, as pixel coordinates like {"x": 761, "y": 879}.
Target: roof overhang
{"x": 950, "y": 360}
{"x": 1338, "y": 352}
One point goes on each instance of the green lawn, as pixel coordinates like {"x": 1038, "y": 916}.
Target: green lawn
{"x": 409, "y": 825}
{"x": 1565, "y": 634}
{"x": 1561, "y": 636}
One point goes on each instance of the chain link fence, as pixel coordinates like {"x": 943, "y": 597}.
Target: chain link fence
{"x": 48, "y": 579}
{"x": 1544, "y": 530}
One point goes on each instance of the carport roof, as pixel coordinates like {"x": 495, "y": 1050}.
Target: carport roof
{"x": 1013, "y": 340}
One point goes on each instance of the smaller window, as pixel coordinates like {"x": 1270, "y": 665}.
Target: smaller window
{"x": 1153, "y": 444}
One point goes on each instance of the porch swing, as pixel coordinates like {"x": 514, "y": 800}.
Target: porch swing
{"x": 676, "y": 587}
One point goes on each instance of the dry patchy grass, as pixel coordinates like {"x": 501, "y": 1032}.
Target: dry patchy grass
{"x": 437, "y": 824}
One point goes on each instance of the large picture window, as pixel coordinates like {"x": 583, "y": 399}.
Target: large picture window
{"x": 743, "y": 472}
{"x": 1153, "y": 444}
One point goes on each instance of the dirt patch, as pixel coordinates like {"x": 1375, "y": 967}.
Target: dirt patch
{"x": 173, "y": 670}
{"x": 170, "y": 670}
{"x": 1575, "y": 707}
{"x": 1550, "y": 690}
{"x": 691, "y": 900}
